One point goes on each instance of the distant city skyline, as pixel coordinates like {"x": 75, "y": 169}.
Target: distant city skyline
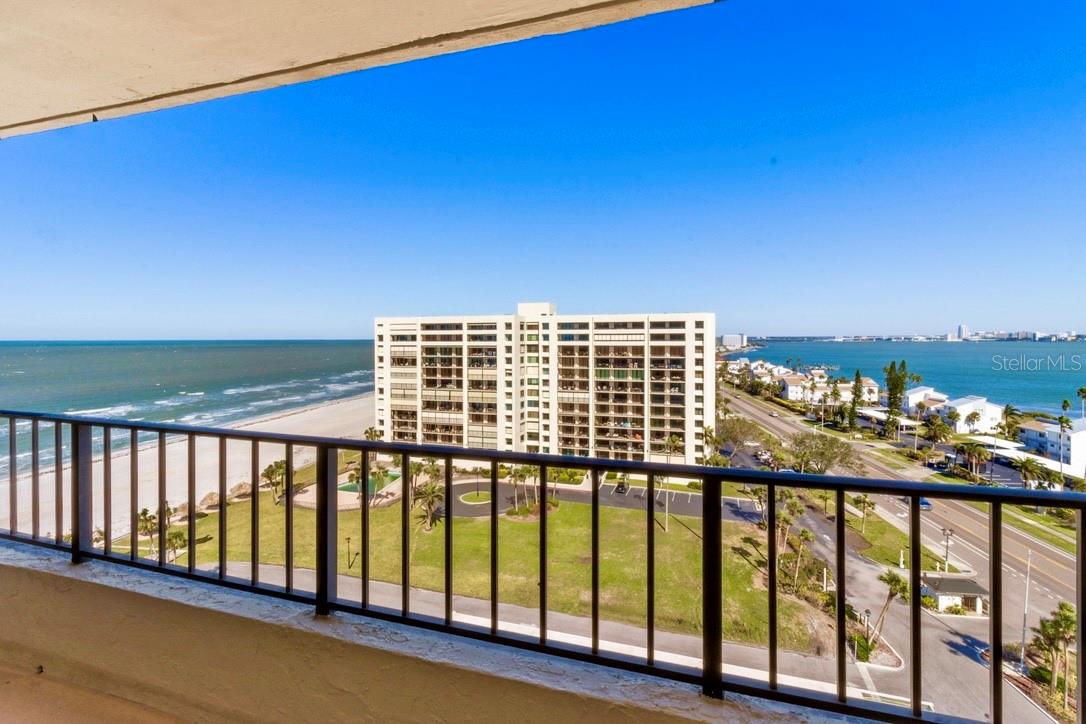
{"x": 796, "y": 169}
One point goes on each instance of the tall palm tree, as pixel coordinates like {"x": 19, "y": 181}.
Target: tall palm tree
{"x": 1010, "y": 421}
{"x": 1082, "y": 401}
{"x": 147, "y": 524}
{"x": 1066, "y": 623}
{"x": 1065, "y": 424}
{"x": 954, "y": 417}
{"x": 920, "y": 408}
{"x": 806, "y": 537}
{"x": 864, "y": 503}
{"x": 372, "y": 434}
{"x": 896, "y": 587}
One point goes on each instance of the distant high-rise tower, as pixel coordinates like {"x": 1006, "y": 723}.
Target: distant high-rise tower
{"x": 963, "y": 331}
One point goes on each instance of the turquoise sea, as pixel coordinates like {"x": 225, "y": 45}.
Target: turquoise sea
{"x": 188, "y": 382}
{"x": 1029, "y": 375}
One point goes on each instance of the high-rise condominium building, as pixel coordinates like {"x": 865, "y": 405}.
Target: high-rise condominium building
{"x": 621, "y": 386}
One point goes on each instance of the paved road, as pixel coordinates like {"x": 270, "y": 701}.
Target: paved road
{"x": 955, "y": 677}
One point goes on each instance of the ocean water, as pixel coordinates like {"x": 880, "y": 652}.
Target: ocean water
{"x": 193, "y": 383}
{"x": 1029, "y": 375}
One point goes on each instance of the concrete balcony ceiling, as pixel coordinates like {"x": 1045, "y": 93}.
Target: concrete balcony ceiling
{"x": 64, "y": 62}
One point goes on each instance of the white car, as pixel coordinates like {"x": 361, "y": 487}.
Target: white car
{"x": 774, "y": 414}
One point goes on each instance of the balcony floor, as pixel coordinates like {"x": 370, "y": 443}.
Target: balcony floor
{"x": 29, "y": 697}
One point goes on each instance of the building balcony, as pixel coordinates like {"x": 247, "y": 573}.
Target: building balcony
{"x": 402, "y": 610}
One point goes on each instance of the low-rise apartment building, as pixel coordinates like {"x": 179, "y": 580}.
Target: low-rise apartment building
{"x": 989, "y": 414}
{"x": 606, "y": 385}
{"x": 1046, "y": 438}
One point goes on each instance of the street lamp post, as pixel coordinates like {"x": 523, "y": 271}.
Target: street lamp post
{"x": 948, "y": 533}
{"x": 1025, "y": 613}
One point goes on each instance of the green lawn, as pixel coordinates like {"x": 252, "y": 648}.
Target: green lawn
{"x": 623, "y": 551}
{"x": 476, "y": 497}
{"x": 882, "y": 541}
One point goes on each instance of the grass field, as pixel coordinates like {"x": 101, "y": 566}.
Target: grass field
{"x": 623, "y": 573}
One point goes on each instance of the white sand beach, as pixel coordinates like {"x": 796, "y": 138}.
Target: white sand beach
{"x": 345, "y": 418}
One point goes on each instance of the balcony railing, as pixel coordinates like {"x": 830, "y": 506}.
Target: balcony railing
{"x": 81, "y": 472}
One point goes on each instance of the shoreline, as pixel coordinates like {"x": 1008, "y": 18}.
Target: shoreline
{"x": 345, "y": 417}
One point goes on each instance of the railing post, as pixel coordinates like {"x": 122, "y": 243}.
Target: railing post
{"x": 712, "y": 603}
{"x": 327, "y": 513}
{"x": 995, "y": 609}
{"x": 82, "y": 485}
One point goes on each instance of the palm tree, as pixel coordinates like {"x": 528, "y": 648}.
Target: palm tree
{"x": 953, "y": 417}
{"x": 1082, "y": 400}
{"x": 806, "y": 537}
{"x": 824, "y": 496}
{"x": 1066, "y": 623}
{"x": 147, "y": 524}
{"x": 1065, "y": 424}
{"x": 414, "y": 470}
{"x": 176, "y": 540}
{"x": 896, "y": 587}
{"x": 1031, "y": 471}
{"x": 974, "y": 454}
{"x": 372, "y": 434}
{"x": 920, "y": 408}
{"x": 275, "y": 476}
{"x": 430, "y": 469}
{"x": 864, "y": 503}
{"x": 380, "y": 476}
{"x": 936, "y": 431}
{"x": 972, "y": 419}
{"x": 760, "y": 493}
{"x": 1010, "y": 421}
{"x": 1047, "y": 638}
{"x": 428, "y": 498}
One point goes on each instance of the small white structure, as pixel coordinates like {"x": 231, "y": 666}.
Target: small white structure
{"x": 951, "y": 591}
{"x": 1045, "y": 438}
{"x": 932, "y": 399}
{"x": 989, "y": 414}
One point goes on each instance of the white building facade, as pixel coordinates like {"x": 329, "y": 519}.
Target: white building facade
{"x": 990, "y": 415}
{"x": 604, "y": 385}
{"x": 1046, "y": 439}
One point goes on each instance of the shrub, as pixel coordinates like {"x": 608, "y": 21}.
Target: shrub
{"x": 1041, "y": 674}
{"x": 694, "y": 485}
{"x": 928, "y": 602}
{"x": 956, "y": 610}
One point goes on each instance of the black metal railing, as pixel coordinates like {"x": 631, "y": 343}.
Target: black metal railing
{"x": 80, "y": 445}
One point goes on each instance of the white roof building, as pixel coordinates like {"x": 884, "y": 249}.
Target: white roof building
{"x": 931, "y": 398}
{"x": 989, "y": 414}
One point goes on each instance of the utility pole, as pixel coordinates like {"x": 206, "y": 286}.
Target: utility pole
{"x": 1025, "y": 613}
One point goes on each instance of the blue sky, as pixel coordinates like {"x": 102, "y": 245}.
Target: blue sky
{"x": 797, "y": 168}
